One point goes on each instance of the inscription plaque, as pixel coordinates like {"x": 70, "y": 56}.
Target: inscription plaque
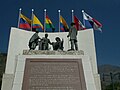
{"x": 53, "y": 74}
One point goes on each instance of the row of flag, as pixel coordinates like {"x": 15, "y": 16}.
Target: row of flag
{"x": 34, "y": 23}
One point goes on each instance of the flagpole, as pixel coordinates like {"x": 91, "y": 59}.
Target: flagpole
{"x": 19, "y": 17}
{"x": 32, "y": 18}
{"x": 59, "y": 19}
{"x": 83, "y": 17}
{"x": 44, "y": 20}
{"x": 72, "y": 15}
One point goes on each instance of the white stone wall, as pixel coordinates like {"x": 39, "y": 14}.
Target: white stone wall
{"x": 7, "y": 81}
{"x": 89, "y": 78}
{"x": 19, "y": 41}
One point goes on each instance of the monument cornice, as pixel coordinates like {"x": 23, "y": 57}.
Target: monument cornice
{"x": 46, "y": 52}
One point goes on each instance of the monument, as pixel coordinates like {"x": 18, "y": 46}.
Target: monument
{"x": 51, "y": 69}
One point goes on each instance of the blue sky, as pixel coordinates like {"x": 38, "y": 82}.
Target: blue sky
{"x": 105, "y": 11}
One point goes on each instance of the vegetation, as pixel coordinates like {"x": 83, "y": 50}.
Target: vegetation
{"x": 108, "y": 81}
{"x": 3, "y": 57}
{"x": 110, "y": 86}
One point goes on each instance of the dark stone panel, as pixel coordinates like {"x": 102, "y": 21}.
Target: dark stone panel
{"x": 53, "y": 74}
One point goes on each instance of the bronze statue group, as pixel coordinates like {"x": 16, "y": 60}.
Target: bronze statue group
{"x": 43, "y": 43}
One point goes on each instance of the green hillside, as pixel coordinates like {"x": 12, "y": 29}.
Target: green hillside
{"x": 110, "y": 77}
{"x": 3, "y": 57}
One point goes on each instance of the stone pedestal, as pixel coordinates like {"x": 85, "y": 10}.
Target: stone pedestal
{"x": 21, "y": 63}
{"x": 7, "y": 81}
{"x": 58, "y": 70}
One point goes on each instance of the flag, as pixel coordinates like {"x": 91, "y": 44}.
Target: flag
{"x": 36, "y": 23}
{"x": 25, "y": 23}
{"x": 63, "y": 25}
{"x": 49, "y": 23}
{"x": 91, "y": 22}
{"x": 78, "y": 24}
{"x": 87, "y": 23}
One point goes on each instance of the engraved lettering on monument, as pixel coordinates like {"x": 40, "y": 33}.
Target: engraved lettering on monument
{"x": 53, "y": 75}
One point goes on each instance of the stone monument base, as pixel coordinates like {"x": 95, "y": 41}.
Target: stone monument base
{"x": 53, "y": 70}
{"x": 18, "y": 60}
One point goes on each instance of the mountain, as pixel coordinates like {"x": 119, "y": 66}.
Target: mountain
{"x": 109, "y": 71}
{"x": 108, "y": 68}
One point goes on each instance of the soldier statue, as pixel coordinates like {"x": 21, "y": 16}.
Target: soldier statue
{"x": 33, "y": 42}
{"x": 58, "y": 45}
{"x": 73, "y": 37}
{"x": 44, "y": 43}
